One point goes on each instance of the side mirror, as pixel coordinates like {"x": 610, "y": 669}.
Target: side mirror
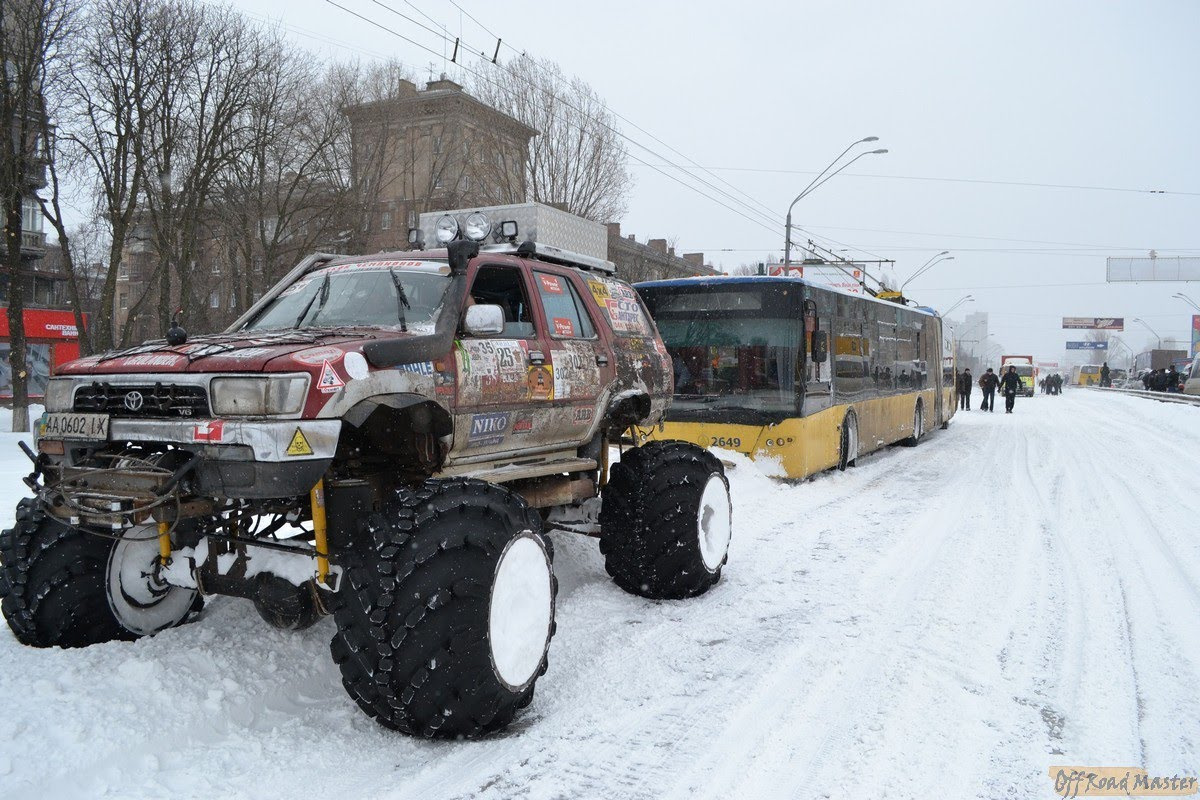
{"x": 820, "y": 346}
{"x": 484, "y": 320}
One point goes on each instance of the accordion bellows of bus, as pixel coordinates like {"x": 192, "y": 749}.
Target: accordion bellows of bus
{"x": 802, "y": 375}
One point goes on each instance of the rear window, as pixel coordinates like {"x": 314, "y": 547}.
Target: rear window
{"x": 620, "y": 305}
{"x": 564, "y": 310}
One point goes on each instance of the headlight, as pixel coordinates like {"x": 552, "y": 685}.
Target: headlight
{"x": 60, "y": 394}
{"x": 256, "y": 397}
{"x": 477, "y": 227}
{"x": 447, "y": 228}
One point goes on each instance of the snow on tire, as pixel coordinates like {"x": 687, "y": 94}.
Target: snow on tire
{"x": 62, "y": 586}
{"x": 445, "y": 621}
{"x": 665, "y": 520}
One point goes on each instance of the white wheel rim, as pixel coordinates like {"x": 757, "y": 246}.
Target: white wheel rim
{"x": 139, "y": 599}
{"x": 852, "y": 441}
{"x": 521, "y": 611}
{"x": 918, "y": 424}
{"x": 714, "y": 523}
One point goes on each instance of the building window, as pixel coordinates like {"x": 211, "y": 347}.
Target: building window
{"x": 123, "y": 270}
{"x": 437, "y": 145}
{"x": 385, "y": 221}
{"x": 214, "y": 299}
{"x": 123, "y": 300}
{"x": 439, "y": 182}
{"x": 31, "y": 216}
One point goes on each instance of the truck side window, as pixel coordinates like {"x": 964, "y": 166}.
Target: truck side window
{"x": 565, "y": 314}
{"x": 504, "y": 287}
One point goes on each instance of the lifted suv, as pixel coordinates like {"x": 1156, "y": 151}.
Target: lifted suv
{"x": 383, "y": 439}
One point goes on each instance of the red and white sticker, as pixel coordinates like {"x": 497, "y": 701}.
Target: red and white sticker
{"x": 317, "y": 355}
{"x": 563, "y": 327}
{"x": 329, "y": 381}
{"x": 211, "y": 431}
{"x": 551, "y": 284}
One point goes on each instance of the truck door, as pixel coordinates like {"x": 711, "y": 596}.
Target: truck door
{"x": 505, "y": 384}
{"x": 578, "y": 358}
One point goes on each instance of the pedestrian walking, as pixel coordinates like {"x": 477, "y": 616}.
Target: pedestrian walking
{"x": 1010, "y": 384}
{"x": 1105, "y": 380}
{"x": 964, "y": 390}
{"x": 1171, "y": 380}
{"x": 988, "y": 383}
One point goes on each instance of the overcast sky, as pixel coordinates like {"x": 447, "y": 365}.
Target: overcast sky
{"x": 1096, "y": 94}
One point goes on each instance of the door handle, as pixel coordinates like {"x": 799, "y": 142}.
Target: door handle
{"x": 601, "y": 360}
{"x": 537, "y": 357}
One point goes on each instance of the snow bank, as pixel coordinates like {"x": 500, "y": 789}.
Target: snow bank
{"x": 945, "y": 621}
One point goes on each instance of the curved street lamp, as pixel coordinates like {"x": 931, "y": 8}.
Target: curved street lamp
{"x": 816, "y": 183}
{"x": 966, "y": 299}
{"x": 1156, "y": 336}
{"x": 1186, "y": 299}
{"x": 926, "y": 267}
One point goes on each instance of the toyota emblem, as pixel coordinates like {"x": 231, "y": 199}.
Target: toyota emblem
{"x": 133, "y": 400}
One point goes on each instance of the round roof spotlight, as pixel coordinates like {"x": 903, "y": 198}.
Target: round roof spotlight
{"x": 476, "y": 227}
{"x": 447, "y": 228}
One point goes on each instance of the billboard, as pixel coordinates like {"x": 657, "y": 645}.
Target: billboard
{"x": 1195, "y": 335}
{"x": 1095, "y": 323}
{"x": 1155, "y": 268}
{"x": 847, "y": 277}
{"x": 1087, "y": 345}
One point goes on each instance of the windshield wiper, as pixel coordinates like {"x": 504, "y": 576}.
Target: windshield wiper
{"x": 401, "y": 299}
{"x": 323, "y": 294}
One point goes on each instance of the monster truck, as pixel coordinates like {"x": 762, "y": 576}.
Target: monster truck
{"x": 381, "y": 439}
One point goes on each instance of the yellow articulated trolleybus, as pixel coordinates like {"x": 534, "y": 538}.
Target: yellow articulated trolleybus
{"x": 801, "y": 374}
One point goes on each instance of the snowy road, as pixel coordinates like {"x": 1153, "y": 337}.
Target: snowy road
{"x": 1019, "y": 591}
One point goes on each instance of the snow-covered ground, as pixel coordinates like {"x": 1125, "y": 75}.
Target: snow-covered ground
{"x": 1018, "y": 592}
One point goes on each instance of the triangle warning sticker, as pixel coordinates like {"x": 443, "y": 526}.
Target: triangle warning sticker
{"x": 299, "y": 446}
{"x": 329, "y": 381}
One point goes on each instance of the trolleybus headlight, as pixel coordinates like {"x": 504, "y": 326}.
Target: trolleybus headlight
{"x": 59, "y": 394}
{"x": 255, "y": 397}
{"x": 447, "y": 228}
{"x": 476, "y": 227}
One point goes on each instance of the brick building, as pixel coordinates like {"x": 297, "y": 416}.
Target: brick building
{"x": 433, "y": 148}
{"x": 652, "y": 261}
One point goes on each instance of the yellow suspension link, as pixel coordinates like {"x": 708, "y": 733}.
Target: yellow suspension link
{"x": 164, "y": 542}
{"x": 317, "y": 498}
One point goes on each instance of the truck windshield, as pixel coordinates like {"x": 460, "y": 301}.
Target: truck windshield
{"x": 734, "y": 348}
{"x": 373, "y": 294}
{"x": 1024, "y": 370}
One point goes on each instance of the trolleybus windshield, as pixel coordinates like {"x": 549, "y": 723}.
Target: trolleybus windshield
{"x": 734, "y": 348}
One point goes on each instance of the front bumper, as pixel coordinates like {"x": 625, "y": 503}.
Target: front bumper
{"x": 253, "y": 459}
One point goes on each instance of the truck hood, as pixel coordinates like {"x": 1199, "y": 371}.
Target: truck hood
{"x": 257, "y": 351}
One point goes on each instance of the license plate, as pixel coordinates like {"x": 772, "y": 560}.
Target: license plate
{"x": 75, "y": 426}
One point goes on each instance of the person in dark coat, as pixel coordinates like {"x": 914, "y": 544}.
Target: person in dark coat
{"x": 1010, "y": 384}
{"x": 1172, "y": 379}
{"x": 988, "y": 383}
{"x": 964, "y": 389}
{"x": 1105, "y": 380}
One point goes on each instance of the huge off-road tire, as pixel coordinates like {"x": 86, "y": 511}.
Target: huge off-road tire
{"x": 448, "y": 609}
{"x": 63, "y": 586}
{"x": 665, "y": 520}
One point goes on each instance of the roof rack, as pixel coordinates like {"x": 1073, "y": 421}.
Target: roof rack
{"x": 553, "y": 255}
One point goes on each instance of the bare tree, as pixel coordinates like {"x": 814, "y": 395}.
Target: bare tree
{"x": 578, "y": 160}
{"x": 280, "y": 191}
{"x": 110, "y": 99}
{"x": 31, "y": 41}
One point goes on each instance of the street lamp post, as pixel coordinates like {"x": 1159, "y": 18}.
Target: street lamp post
{"x": 816, "y": 183}
{"x": 1186, "y": 299}
{"x": 1147, "y": 327}
{"x": 926, "y": 267}
{"x": 965, "y": 299}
